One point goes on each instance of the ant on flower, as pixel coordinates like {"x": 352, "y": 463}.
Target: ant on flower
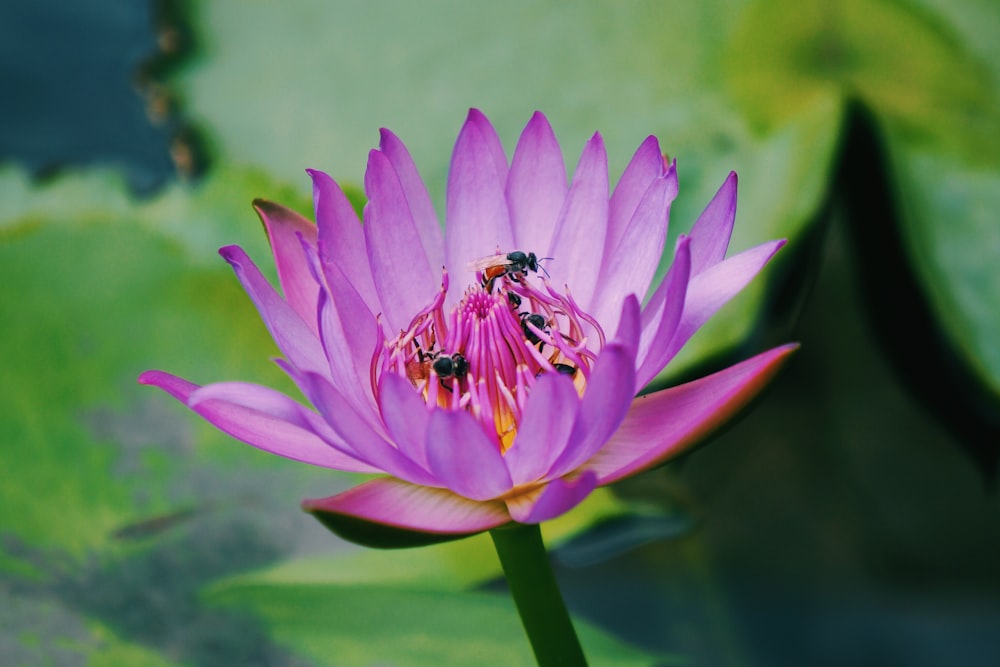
{"x": 514, "y": 264}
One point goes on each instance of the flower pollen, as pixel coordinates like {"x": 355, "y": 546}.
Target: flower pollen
{"x": 484, "y": 355}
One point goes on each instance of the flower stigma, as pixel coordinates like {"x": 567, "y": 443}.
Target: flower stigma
{"x": 485, "y": 354}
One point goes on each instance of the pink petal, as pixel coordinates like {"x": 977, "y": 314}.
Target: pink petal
{"x": 349, "y": 333}
{"x": 714, "y": 227}
{"x": 477, "y": 219}
{"x": 359, "y": 432}
{"x": 646, "y": 165}
{"x": 284, "y": 229}
{"x": 578, "y": 243}
{"x": 536, "y": 186}
{"x": 606, "y": 401}
{"x": 341, "y": 239}
{"x": 552, "y": 500}
{"x": 662, "y": 424}
{"x": 405, "y": 415}
{"x": 629, "y": 268}
{"x": 663, "y": 314}
{"x": 629, "y": 326}
{"x": 424, "y": 218}
{"x": 463, "y": 458}
{"x": 714, "y": 287}
{"x": 294, "y": 337}
{"x": 545, "y": 428}
{"x": 395, "y": 503}
{"x": 272, "y": 421}
{"x": 404, "y": 279}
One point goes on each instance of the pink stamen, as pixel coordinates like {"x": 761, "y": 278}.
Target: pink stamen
{"x": 504, "y": 352}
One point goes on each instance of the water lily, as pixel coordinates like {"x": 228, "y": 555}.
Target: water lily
{"x": 487, "y": 374}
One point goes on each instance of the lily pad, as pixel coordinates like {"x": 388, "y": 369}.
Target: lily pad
{"x": 929, "y": 72}
{"x": 91, "y": 297}
{"x": 373, "y": 625}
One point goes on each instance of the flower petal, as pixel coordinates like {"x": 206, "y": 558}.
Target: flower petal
{"x": 552, "y": 500}
{"x": 404, "y": 279}
{"x": 609, "y": 393}
{"x": 545, "y": 427}
{"x": 293, "y": 336}
{"x": 629, "y": 325}
{"x": 284, "y": 229}
{"x": 392, "y": 502}
{"x": 714, "y": 227}
{"x": 629, "y": 266}
{"x": 349, "y": 333}
{"x": 578, "y": 241}
{"x": 661, "y": 425}
{"x": 646, "y": 165}
{"x": 663, "y": 314}
{"x": 714, "y": 287}
{"x": 536, "y": 186}
{"x": 405, "y": 415}
{"x": 367, "y": 439}
{"x": 424, "y": 218}
{"x": 341, "y": 240}
{"x": 477, "y": 219}
{"x": 262, "y": 417}
{"x": 463, "y": 458}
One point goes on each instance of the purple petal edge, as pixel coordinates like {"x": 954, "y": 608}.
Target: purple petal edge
{"x": 554, "y": 499}
{"x": 661, "y": 425}
{"x": 392, "y": 502}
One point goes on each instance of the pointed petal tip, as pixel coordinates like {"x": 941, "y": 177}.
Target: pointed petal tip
{"x": 231, "y": 253}
{"x": 386, "y": 137}
{"x": 149, "y": 377}
{"x": 539, "y": 117}
{"x": 177, "y": 387}
{"x": 266, "y": 209}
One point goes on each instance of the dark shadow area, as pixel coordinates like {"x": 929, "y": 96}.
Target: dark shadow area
{"x": 82, "y": 86}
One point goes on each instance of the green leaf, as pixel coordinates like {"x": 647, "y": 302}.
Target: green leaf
{"x": 950, "y": 210}
{"x": 930, "y": 72}
{"x": 360, "y": 625}
{"x": 90, "y": 296}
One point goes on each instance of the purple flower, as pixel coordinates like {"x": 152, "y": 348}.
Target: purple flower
{"x": 487, "y": 374}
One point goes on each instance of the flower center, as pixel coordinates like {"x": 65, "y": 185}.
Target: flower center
{"x": 485, "y": 354}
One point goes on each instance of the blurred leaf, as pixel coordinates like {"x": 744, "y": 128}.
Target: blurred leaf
{"x": 930, "y": 72}
{"x": 954, "y": 236}
{"x": 95, "y": 288}
{"x": 361, "y": 625}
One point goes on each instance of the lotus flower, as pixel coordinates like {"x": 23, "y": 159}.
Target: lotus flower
{"x": 487, "y": 374}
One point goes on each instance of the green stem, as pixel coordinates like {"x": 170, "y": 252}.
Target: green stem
{"x": 536, "y": 594}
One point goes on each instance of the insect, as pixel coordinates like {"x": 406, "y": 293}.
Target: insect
{"x": 535, "y": 320}
{"x": 514, "y": 264}
{"x": 565, "y": 369}
{"x": 447, "y": 366}
{"x": 418, "y": 370}
{"x": 562, "y": 369}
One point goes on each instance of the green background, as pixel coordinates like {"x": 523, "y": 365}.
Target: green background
{"x": 849, "y": 517}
